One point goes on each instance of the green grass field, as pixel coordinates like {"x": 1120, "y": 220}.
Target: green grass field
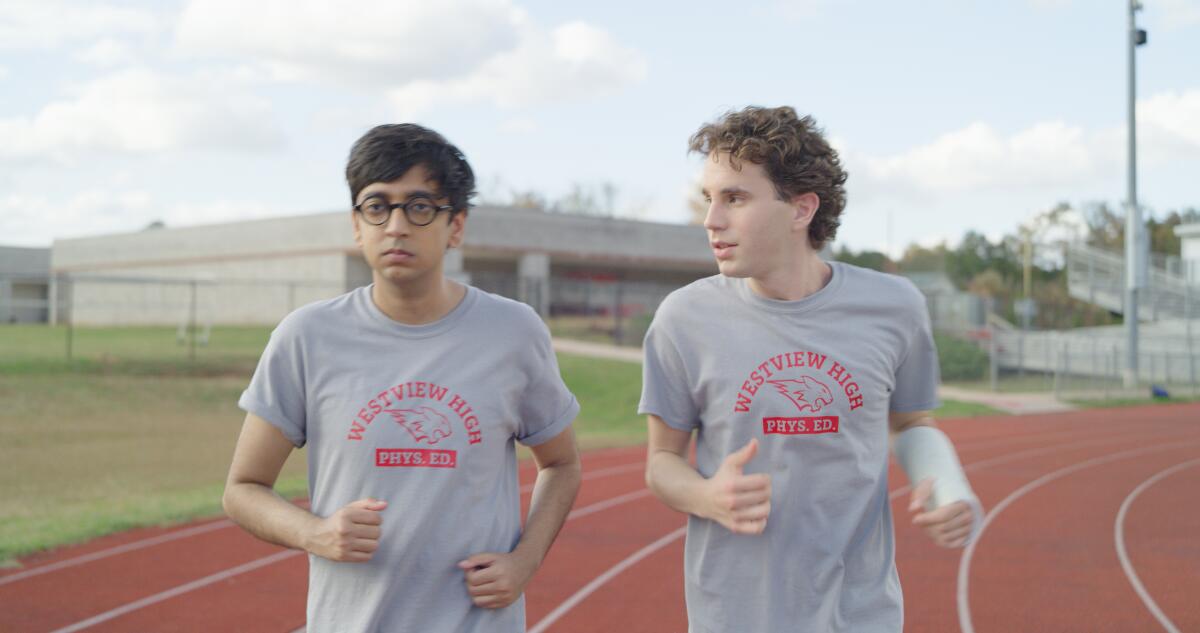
{"x": 130, "y": 432}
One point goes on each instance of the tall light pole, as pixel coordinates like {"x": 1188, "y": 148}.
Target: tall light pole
{"x": 1134, "y": 274}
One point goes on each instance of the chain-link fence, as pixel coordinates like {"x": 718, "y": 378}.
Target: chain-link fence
{"x": 24, "y": 299}
{"x": 1090, "y": 363}
{"x": 86, "y": 304}
{"x": 606, "y": 309}
{"x": 598, "y": 308}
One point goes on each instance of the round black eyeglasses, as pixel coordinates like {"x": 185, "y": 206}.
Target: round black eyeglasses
{"x": 418, "y": 211}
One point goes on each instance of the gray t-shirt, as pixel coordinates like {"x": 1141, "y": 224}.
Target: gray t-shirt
{"x": 423, "y": 417}
{"x": 814, "y": 381}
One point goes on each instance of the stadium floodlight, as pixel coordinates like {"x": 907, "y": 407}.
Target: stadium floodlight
{"x": 1135, "y": 263}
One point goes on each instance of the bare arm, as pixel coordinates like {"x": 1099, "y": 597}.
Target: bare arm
{"x": 558, "y": 478}
{"x": 898, "y": 422}
{"x": 495, "y": 579}
{"x": 737, "y": 501}
{"x": 350, "y": 534}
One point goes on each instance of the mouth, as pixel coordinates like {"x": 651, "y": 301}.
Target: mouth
{"x": 396, "y": 255}
{"x": 723, "y": 250}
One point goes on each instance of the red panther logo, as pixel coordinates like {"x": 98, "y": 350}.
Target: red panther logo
{"x": 808, "y": 394}
{"x": 424, "y": 424}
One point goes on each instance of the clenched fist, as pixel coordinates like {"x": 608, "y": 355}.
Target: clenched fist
{"x": 494, "y": 580}
{"x": 349, "y": 535}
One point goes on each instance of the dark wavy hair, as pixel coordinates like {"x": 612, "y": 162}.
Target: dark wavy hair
{"x": 387, "y": 152}
{"x": 792, "y": 150}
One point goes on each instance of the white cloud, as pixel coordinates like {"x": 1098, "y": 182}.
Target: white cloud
{"x": 979, "y": 157}
{"x": 222, "y": 210}
{"x": 1170, "y": 123}
{"x": 368, "y": 43}
{"x": 1049, "y": 155}
{"x": 37, "y": 220}
{"x": 47, "y": 24}
{"x": 107, "y": 52}
{"x": 418, "y": 54}
{"x": 574, "y": 61}
{"x": 140, "y": 111}
{"x": 1175, "y": 14}
{"x": 3, "y": 72}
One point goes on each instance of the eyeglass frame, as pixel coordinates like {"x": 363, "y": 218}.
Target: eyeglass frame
{"x": 403, "y": 206}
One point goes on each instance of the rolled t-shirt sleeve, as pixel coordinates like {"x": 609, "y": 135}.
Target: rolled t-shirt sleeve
{"x": 276, "y": 392}
{"x": 918, "y": 374}
{"x": 665, "y": 390}
{"x": 547, "y": 407}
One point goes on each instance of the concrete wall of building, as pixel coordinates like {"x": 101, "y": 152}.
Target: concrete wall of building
{"x": 1189, "y": 236}
{"x": 24, "y": 283}
{"x": 257, "y": 271}
{"x": 567, "y": 237}
{"x": 236, "y": 291}
{"x": 24, "y": 262}
{"x": 245, "y": 272}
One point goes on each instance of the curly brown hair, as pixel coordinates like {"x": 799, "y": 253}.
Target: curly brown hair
{"x": 792, "y": 150}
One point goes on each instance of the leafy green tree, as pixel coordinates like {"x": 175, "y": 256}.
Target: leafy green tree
{"x": 867, "y": 259}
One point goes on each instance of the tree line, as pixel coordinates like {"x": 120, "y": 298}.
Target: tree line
{"x": 996, "y": 268}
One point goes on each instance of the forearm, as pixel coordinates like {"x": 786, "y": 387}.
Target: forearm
{"x": 262, "y": 512}
{"x": 676, "y": 483}
{"x": 925, "y": 452}
{"x": 554, "y": 493}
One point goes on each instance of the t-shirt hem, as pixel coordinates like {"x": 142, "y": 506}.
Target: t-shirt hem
{"x": 655, "y": 411}
{"x": 552, "y": 431}
{"x": 271, "y": 415}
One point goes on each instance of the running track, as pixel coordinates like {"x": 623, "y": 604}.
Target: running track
{"x": 1093, "y": 525}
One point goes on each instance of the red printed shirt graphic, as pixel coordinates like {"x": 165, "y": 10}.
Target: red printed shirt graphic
{"x": 423, "y": 417}
{"x": 426, "y": 412}
{"x": 794, "y": 379}
{"x": 424, "y": 424}
{"x": 807, "y": 393}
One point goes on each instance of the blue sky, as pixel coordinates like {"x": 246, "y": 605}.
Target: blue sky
{"x": 950, "y": 115}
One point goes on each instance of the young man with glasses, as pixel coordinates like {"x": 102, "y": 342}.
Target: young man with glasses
{"x": 790, "y": 525}
{"x": 409, "y": 394}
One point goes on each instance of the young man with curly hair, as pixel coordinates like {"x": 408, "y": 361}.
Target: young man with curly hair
{"x": 409, "y": 394}
{"x": 795, "y": 374}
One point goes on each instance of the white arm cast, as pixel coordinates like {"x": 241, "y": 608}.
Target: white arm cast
{"x": 925, "y": 452}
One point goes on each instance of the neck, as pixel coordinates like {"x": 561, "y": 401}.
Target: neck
{"x": 801, "y": 278}
{"x": 417, "y": 303}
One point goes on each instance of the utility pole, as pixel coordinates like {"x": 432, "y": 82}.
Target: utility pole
{"x": 1134, "y": 273}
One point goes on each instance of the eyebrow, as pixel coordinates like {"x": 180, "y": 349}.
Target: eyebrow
{"x": 727, "y": 191}
{"x": 420, "y": 193}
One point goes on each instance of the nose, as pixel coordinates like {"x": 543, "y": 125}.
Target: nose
{"x": 397, "y": 225}
{"x": 714, "y": 220}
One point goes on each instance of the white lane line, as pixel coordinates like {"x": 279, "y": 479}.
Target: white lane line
{"x": 595, "y": 584}
{"x": 1033, "y": 452}
{"x": 974, "y": 443}
{"x": 600, "y": 473}
{"x": 602, "y": 579}
{"x": 608, "y": 503}
{"x": 255, "y": 564}
{"x": 225, "y": 523}
{"x": 1119, "y": 539}
{"x": 964, "y": 563}
{"x": 181, "y": 589}
{"x": 119, "y": 549}
{"x": 620, "y": 499}
{"x": 201, "y": 529}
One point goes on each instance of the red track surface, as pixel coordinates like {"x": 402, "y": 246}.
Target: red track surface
{"x": 1067, "y": 495}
